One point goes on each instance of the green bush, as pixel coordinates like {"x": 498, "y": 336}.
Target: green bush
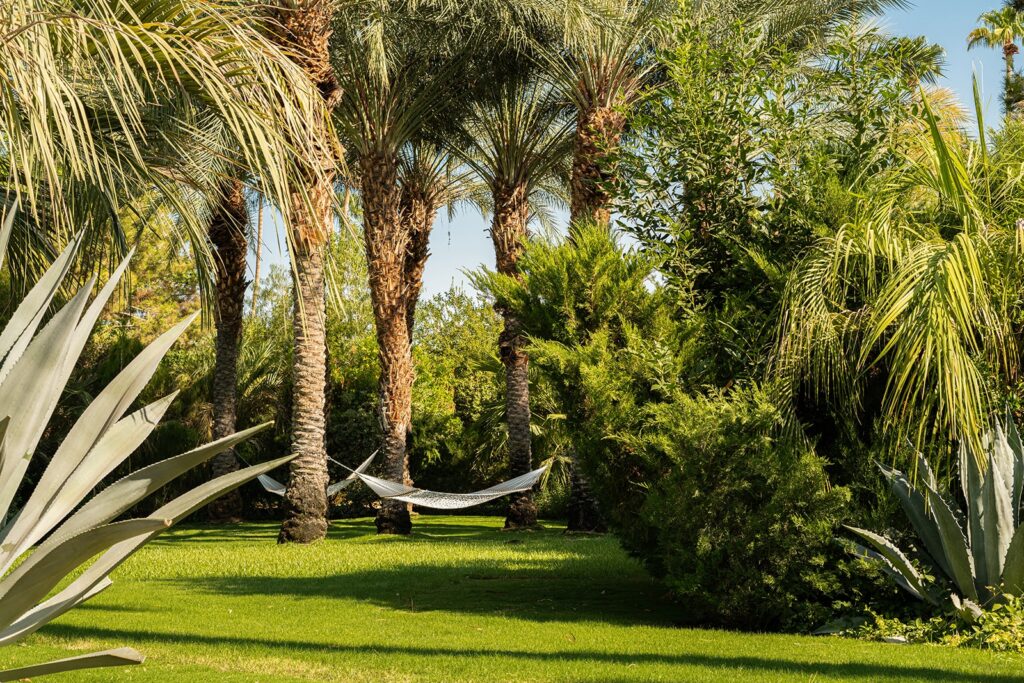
{"x": 742, "y": 520}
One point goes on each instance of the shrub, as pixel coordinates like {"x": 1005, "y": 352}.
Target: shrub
{"x": 742, "y": 521}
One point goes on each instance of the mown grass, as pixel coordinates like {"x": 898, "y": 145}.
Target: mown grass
{"x": 457, "y": 601}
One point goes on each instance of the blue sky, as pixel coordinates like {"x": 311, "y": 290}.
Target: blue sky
{"x": 463, "y": 243}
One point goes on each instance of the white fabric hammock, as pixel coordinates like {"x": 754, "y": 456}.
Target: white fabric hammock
{"x": 448, "y": 501}
{"x": 272, "y": 485}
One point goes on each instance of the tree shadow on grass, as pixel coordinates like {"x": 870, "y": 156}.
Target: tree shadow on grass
{"x": 730, "y": 666}
{"x": 425, "y": 528}
{"x": 572, "y": 588}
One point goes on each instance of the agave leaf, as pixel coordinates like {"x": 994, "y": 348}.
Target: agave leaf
{"x": 29, "y": 395}
{"x": 174, "y": 511}
{"x": 954, "y": 544}
{"x": 23, "y": 324}
{"x": 122, "y": 656}
{"x": 915, "y": 507}
{"x": 189, "y": 502}
{"x": 122, "y": 494}
{"x": 61, "y": 467}
{"x": 898, "y": 562}
{"x": 1013, "y": 565}
{"x": 971, "y": 480}
{"x": 1002, "y": 453}
{"x": 30, "y": 581}
{"x": 41, "y": 615}
{"x": 888, "y": 568}
{"x": 49, "y": 505}
{"x": 110, "y": 405}
{"x": 1014, "y": 440}
{"x": 997, "y": 522}
{"x": 966, "y": 609}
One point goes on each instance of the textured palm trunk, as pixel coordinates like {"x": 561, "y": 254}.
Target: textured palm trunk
{"x": 584, "y": 515}
{"x": 227, "y": 235}
{"x": 508, "y": 232}
{"x": 386, "y": 243}
{"x": 1010, "y": 92}
{"x": 598, "y": 131}
{"x": 418, "y": 213}
{"x": 303, "y": 27}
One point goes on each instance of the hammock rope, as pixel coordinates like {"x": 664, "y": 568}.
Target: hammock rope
{"x": 272, "y": 485}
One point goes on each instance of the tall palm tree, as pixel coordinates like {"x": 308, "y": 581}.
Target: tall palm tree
{"x": 142, "y": 103}
{"x": 603, "y": 73}
{"x": 1002, "y": 29}
{"x": 228, "y": 226}
{"x": 515, "y": 141}
{"x": 429, "y": 179}
{"x": 304, "y": 28}
{"x": 409, "y": 68}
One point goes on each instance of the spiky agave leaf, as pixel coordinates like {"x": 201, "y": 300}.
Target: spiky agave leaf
{"x": 37, "y": 369}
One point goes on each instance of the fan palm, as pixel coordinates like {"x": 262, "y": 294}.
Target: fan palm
{"x": 1001, "y": 29}
{"x": 515, "y": 141}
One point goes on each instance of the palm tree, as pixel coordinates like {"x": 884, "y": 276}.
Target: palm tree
{"x": 134, "y": 99}
{"x": 304, "y": 27}
{"x": 150, "y": 103}
{"x": 429, "y": 179}
{"x": 515, "y": 142}
{"x": 409, "y": 68}
{"x": 603, "y": 73}
{"x": 919, "y": 289}
{"x": 1002, "y": 28}
{"x": 228, "y": 226}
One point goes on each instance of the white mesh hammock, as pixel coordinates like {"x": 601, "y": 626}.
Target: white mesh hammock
{"x": 272, "y": 485}
{"x": 448, "y": 501}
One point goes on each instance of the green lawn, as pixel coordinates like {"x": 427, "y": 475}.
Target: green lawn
{"x": 457, "y": 601}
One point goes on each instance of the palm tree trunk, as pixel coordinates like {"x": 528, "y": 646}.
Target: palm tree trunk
{"x": 227, "y": 235}
{"x": 304, "y": 27}
{"x": 386, "y": 244}
{"x": 418, "y": 215}
{"x": 598, "y": 131}
{"x": 1011, "y": 89}
{"x": 508, "y": 232}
